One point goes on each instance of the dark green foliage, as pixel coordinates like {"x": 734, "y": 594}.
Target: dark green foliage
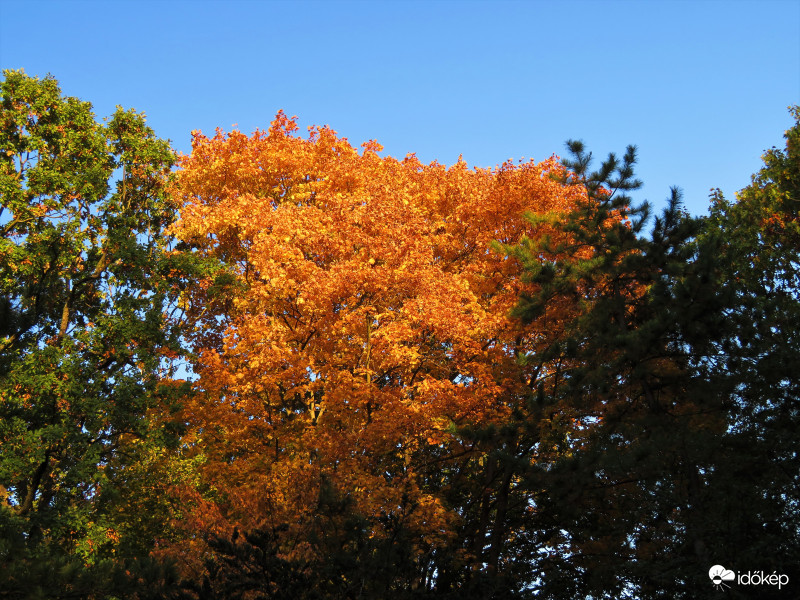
{"x": 677, "y": 360}
{"x": 615, "y": 502}
{"x": 755, "y": 357}
{"x": 60, "y": 576}
{"x": 87, "y": 345}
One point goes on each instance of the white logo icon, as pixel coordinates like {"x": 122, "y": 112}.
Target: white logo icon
{"x": 719, "y": 575}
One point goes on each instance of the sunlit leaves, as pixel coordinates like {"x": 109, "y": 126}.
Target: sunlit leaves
{"x": 366, "y": 322}
{"x": 88, "y": 342}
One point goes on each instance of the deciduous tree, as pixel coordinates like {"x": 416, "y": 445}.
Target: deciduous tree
{"x": 87, "y": 346}
{"x": 360, "y": 335}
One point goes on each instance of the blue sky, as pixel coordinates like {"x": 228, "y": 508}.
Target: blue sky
{"x": 701, "y": 87}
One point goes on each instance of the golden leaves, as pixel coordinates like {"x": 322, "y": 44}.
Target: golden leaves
{"x": 371, "y": 312}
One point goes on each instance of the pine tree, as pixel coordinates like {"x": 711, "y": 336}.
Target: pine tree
{"x": 624, "y": 505}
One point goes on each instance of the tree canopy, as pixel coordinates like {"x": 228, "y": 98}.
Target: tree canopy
{"x": 360, "y": 324}
{"x": 410, "y": 380}
{"x": 87, "y": 280}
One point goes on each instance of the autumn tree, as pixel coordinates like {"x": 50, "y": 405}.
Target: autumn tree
{"x": 480, "y": 383}
{"x": 87, "y": 345}
{"x": 359, "y": 338}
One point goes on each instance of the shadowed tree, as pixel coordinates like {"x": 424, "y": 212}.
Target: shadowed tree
{"x": 676, "y": 363}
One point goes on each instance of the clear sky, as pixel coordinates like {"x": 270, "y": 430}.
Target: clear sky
{"x": 701, "y": 87}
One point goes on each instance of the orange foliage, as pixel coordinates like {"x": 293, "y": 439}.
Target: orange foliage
{"x": 367, "y": 318}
